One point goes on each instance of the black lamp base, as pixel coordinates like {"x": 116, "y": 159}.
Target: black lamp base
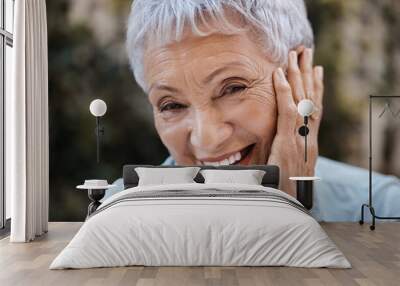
{"x": 95, "y": 195}
{"x": 304, "y": 193}
{"x": 305, "y": 190}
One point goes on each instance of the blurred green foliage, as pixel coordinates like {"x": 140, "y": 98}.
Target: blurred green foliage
{"x": 79, "y": 71}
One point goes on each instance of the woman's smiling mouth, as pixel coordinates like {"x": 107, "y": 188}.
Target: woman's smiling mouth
{"x": 238, "y": 157}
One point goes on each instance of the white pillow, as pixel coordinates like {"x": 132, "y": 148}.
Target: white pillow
{"x": 163, "y": 176}
{"x": 248, "y": 177}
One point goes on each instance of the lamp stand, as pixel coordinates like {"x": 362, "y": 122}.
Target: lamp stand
{"x": 303, "y": 131}
{"x": 305, "y": 185}
{"x": 95, "y": 195}
{"x": 99, "y": 132}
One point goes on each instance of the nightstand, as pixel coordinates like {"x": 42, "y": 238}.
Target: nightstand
{"x": 96, "y": 190}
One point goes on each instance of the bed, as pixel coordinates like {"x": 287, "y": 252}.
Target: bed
{"x": 201, "y": 224}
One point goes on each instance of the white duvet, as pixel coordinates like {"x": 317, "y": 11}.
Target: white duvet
{"x": 204, "y": 231}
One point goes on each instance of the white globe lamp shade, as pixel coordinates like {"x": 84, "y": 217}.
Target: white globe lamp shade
{"x": 305, "y": 107}
{"x": 98, "y": 107}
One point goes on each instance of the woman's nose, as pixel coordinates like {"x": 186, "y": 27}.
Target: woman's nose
{"x": 209, "y": 131}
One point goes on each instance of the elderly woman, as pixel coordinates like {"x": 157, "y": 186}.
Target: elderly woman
{"x": 224, "y": 78}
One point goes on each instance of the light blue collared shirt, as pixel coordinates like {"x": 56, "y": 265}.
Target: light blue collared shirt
{"x": 341, "y": 192}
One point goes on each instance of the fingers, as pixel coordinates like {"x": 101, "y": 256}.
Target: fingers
{"x": 300, "y": 49}
{"x": 318, "y": 74}
{"x": 287, "y": 111}
{"x": 295, "y": 77}
{"x": 312, "y": 81}
{"x": 306, "y": 68}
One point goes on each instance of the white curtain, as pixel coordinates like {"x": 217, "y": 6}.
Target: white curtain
{"x": 27, "y": 147}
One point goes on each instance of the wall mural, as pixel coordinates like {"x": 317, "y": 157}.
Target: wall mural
{"x": 216, "y": 99}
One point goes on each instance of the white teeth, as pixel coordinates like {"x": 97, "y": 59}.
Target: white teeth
{"x": 225, "y": 162}
{"x": 211, "y": 163}
{"x": 229, "y": 161}
{"x": 238, "y": 156}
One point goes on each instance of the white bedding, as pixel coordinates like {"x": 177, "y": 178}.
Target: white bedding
{"x": 183, "y": 231}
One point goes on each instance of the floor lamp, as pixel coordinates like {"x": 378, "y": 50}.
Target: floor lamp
{"x": 305, "y": 185}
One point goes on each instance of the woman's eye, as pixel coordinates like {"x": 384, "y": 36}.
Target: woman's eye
{"x": 233, "y": 89}
{"x": 173, "y": 106}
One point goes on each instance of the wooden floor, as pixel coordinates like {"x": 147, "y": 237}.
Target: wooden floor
{"x": 375, "y": 257}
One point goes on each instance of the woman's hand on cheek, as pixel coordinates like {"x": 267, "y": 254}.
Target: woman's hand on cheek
{"x": 287, "y": 151}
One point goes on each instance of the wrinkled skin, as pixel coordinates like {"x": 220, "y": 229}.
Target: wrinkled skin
{"x": 216, "y": 95}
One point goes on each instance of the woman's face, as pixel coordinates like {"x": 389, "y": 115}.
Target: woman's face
{"x": 213, "y": 99}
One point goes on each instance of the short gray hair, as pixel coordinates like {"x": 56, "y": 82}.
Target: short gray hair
{"x": 282, "y": 25}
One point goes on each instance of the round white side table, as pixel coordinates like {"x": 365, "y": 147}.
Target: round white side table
{"x": 95, "y": 194}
